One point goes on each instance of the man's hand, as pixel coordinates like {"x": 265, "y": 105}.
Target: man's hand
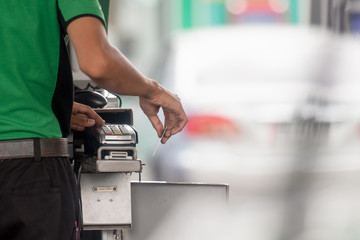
{"x": 175, "y": 117}
{"x": 84, "y": 116}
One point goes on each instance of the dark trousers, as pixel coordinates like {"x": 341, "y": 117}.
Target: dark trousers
{"x": 37, "y": 199}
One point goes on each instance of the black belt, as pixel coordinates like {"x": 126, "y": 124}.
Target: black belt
{"x": 29, "y": 148}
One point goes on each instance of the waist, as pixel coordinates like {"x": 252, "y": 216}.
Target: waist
{"x": 24, "y": 148}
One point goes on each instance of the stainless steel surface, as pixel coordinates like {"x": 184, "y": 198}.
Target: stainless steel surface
{"x": 106, "y": 209}
{"x": 123, "y": 166}
{"x": 156, "y": 205}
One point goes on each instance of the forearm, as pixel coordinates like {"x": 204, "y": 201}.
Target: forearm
{"x": 121, "y": 77}
{"x": 105, "y": 64}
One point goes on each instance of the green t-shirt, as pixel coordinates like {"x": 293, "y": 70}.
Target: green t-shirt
{"x": 29, "y": 63}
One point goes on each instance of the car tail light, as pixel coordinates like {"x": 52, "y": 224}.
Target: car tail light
{"x": 210, "y": 125}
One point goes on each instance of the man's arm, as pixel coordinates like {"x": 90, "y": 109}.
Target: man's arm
{"x": 111, "y": 70}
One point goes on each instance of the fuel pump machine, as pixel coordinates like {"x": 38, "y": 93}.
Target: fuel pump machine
{"x": 108, "y": 157}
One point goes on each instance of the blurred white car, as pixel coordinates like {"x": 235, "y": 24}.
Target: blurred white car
{"x": 274, "y": 112}
{"x": 243, "y": 86}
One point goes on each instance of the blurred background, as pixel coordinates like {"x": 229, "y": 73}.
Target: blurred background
{"x": 271, "y": 88}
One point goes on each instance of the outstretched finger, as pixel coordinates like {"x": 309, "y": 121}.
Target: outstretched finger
{"x": 80, "y": 121}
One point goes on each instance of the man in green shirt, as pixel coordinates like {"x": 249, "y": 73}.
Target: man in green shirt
{"x": 37, "y": 199}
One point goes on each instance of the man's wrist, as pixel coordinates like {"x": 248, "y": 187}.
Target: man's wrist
{"x": 153, "y": 89}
